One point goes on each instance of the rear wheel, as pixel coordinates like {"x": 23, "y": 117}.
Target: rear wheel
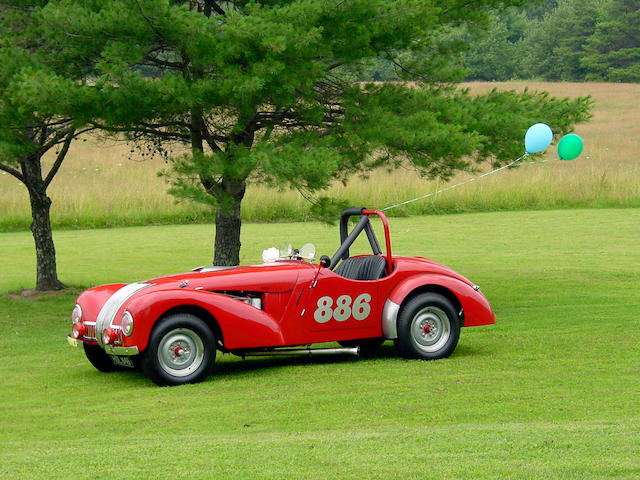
{"x": 428, "y": 327}
{"x": 182, "y": 349}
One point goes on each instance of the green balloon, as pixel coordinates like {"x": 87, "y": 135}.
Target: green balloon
{"x": 570, "y": 147}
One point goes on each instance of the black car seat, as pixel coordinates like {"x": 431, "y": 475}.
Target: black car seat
{"x": 371, "y": 267}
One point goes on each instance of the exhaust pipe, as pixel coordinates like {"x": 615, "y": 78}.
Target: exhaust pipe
{"x": 309, "y": 352}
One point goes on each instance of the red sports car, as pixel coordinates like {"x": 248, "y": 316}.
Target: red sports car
{"x": 171, "y": 327}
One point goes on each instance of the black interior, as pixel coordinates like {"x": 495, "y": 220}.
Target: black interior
{"x": 362, "y": 268}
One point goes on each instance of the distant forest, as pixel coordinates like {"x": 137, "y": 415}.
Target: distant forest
{"x": 566, "y": 40}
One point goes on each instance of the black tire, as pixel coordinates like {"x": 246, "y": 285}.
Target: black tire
{"x": 367, "y": 345}
{"x": 428, "y": 327}
{"x": 162, "y": 362}
{"x": 99, "y": 359}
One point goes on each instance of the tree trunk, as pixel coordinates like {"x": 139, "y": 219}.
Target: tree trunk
{"x": 228, "y": 223}
{"x": 47, "y": 275}
{"x": 46, "y": 271}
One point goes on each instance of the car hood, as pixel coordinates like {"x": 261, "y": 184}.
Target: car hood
{"x": 275, "y": 277}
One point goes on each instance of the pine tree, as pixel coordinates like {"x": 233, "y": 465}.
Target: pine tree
{"x": 267, "y": 92}
{"x": 554, "y": 47}
{"x": 613, "y": 51}
{"x": 37, "y": 108}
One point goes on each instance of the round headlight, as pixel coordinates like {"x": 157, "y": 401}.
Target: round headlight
{"x": 76, "y": 315}
{"x": 126, "y": 324}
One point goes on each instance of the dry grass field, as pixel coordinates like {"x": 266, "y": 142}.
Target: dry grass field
{"x": 107, "y": 183}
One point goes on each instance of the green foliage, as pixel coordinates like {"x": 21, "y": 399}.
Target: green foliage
{"x": 40, "y": 105}
{"x": 554, "y": 46}
{"x": 41, "y": 110}
{"x": 613, "y": 51}
{"x": 268, "y": 92}
{"x": 265, "y": 92}
{"x": 496, "y": 54}
{"x": 559, "y": 40}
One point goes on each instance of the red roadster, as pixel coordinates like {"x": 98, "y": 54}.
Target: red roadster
{"x": 171, "y": 327}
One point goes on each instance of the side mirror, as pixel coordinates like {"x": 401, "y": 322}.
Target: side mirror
{"x": 325, "y": 261}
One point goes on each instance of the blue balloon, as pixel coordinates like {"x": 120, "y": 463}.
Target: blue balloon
{"x": 538, "y": 138}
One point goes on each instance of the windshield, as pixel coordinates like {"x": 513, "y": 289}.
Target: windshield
{"x": 286, "y": 251}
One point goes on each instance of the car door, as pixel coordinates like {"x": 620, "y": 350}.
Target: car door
{"x": 335, "y": 308}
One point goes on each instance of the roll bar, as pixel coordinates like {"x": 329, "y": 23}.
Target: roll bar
{"x": 347, "y": 238}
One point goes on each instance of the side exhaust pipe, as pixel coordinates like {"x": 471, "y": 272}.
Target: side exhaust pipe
{"x": 309, "y": 352}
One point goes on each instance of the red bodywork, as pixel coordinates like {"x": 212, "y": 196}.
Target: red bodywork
{"x": 294, "y": 302}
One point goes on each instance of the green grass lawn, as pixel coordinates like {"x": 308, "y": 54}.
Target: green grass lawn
{"x": 551, "y": 391}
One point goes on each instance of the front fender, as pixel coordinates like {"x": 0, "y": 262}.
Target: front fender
{"x": 91, "y": 301}
{"x": 242, "y": 325}
{"x": 475, "y": 306}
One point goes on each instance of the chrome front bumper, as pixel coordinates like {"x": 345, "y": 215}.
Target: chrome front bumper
{"x": 109, "y": 349}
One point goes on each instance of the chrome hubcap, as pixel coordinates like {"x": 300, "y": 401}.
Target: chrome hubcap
{"x": 180, "y": 352}
{"x": 430, "y": 329}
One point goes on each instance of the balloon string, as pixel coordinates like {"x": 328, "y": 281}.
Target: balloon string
{"x": 461, "y": 183}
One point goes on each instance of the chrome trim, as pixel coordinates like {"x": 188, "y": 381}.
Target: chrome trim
{"x": 180, "y": 352}
{"x": 389, "y": 320}
{"x": 127, "y": 351}
{"x": 110, "y": 308}
{"x": 255, "y": 302}
{"x": 307, "y": 352}
{"x": 126, "y": 314}
{"x": 79, "y": 319}
{"x": 89, "y": 324}
{"x": 430, "y": 329}
{"x": 213, "y": 269}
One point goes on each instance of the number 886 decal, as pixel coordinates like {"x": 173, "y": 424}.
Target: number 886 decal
{"x": 344, "y": 309}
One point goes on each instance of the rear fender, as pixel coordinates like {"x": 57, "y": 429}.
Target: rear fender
{"x": 473, "y": 305}
{"x": 242, "y": 325}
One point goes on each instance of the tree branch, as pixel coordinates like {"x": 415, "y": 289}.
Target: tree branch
{"x": 149, "y": 21}
{"x": 55, "y": 139}
{"x": 211, "y": 140}
{"x": 12, "y": 171}
{"x": 212, "y": 5}
{"x": 150, "y": 129}
{"x": 60, "y": 157}
{"x": 335, "y": 64}
{"x": 154, "y": 61}
{"x": 423, "y": 77}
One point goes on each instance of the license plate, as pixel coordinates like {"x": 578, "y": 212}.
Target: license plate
{"x": 73, "y": 341}
{"x": 121, "y": 361}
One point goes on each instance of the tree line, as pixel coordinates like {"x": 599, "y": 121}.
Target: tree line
{"x": 259, "y": 92}
{"x": 558, "y": 40}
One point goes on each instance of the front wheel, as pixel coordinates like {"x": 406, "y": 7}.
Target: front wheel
{"x": 428, "y": 327}
{"x": 182, "y": 349}
{"x": 99, "y": 359}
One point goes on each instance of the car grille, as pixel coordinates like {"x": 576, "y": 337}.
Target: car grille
{"x": 91, "y": 331}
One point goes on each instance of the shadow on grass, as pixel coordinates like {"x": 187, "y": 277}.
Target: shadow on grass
{"x": 228, "y": 365}
{"x": 235, "y": 366}
{"x": 232, "y": 365}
